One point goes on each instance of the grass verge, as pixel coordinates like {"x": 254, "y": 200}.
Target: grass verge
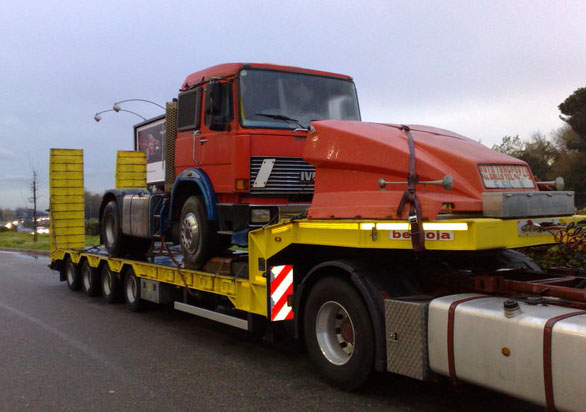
{"x": 19, "y": 240}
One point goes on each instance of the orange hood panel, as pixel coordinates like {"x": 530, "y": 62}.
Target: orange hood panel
{"x": 351, "y": 157}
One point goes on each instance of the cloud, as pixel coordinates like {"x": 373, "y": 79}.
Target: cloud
{"x": 14, "y": 178}
{"x": 6, "y": 154}
{"x": 483, "y": 69}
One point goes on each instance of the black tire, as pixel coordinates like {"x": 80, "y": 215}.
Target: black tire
{"x": 343, "y": 349}
{"x": 509, "y": 258}
{"x": 72, "y": 275}
{"x": 90, "y": 280}
{"x": 197, "y": 235}
{"x": 115, "y": 241}
{"x": 132, "y": 291}
{"x": 111, "y": 285}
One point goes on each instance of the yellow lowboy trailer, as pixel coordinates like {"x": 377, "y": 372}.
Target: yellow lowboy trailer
{"x": 467, "y": 307}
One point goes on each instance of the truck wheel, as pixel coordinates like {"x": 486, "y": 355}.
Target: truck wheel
{"x": 114, "y": 240}
{"x": 72, "y": 275}
{"x": 132, "y": 291}
{"x": 195, "y": 234}
{"x": 111, "y": 288}
{"x": 339, "y": 334}
{"x": 90, "y": 281}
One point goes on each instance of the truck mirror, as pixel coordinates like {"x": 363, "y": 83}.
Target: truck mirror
{"x": 214, "y": 97}
{"x": 218, "y": 113}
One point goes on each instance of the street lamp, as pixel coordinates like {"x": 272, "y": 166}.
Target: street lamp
{"x": 117, "y": 108}
{"x": 97, "y": 116}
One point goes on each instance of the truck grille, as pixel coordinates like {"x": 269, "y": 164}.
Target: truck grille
{"x": 288, "y": 175}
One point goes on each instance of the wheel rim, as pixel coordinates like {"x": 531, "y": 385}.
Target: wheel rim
{"x": 109, "y": 229}
{"x": 131, "y": 289}
{"x": 107, "y": 283}
{"x": 87, "y": 281}
{"x": 69, "y": 272}
{"x": 190, "y": 233}
{"x": 335, "y": 333}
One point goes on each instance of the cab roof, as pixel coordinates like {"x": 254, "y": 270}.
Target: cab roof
{"x": 230, "y": 69}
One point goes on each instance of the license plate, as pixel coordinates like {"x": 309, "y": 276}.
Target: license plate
{"x": 506, "y": 177}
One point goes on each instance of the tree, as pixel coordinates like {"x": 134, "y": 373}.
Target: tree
{"x": 540, "y": 153}
{"x": 511, "y": 145}
{"x": 92, "y": 204}
{"x": 574, "y": 113}
{"x": 570, "y": 163}
{"x": 7, "y": 215}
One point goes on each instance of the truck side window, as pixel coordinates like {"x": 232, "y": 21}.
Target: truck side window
{"x": 219, "y": 112}
{"x": 189, "y": 110}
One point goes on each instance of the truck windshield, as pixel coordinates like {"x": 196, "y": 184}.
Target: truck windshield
{"x": 283, "y": 100}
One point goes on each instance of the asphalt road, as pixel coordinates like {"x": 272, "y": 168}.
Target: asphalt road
{"x": 63, "y": 351}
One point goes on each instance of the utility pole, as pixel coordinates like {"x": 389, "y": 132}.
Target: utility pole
{"x": 34, "y": 188}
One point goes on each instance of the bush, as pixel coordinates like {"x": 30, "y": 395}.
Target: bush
{"x": 558, "y": 255}
{"x": 92, "y": 227}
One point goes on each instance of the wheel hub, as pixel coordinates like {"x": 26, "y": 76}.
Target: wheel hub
{"x": 131, "y": 289}
{"x": 347, "y": 331}
{"x": 69, "y": 272}
{"x": 190, "y": 233}
{"x": 335, "y": 333}
{"x": 109, "y": 229}
{"x": 107, "y": 284}
{"x": 86, "y": 278}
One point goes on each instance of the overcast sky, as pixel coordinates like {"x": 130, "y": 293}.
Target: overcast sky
{"x": 485, "y": 69}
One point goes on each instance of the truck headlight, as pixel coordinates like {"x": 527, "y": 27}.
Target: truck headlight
{"x": 260, "y": 215}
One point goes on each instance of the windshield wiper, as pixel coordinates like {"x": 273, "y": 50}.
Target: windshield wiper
{"x": 282, "y": 117}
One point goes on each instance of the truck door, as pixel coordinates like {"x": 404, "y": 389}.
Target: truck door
{"x": 188, "y": 129}
{"x": 215, "y": 144}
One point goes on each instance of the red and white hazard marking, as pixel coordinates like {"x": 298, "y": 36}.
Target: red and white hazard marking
{"x": 281, "y": 288}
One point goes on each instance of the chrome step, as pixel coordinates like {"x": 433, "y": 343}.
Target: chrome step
{"x": 215, "y": 316}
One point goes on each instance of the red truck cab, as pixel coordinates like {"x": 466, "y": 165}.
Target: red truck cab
{"x": 243, "y": 127}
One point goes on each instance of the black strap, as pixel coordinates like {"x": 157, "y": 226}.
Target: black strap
{"x": 410, "y": 196}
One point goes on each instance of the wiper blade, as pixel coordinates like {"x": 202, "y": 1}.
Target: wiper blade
{"x": 282, "y": 117}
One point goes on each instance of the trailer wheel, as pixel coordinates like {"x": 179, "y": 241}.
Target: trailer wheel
{"x": 72, "y": 275}
{"x": 90, "y": 281}
{"x": 132, "y": 291}
{"x": 111, "y": 288}
{"x": 338, "y": 333}
{"x": 115, "y": 241}
{"x": 195, "y": 234}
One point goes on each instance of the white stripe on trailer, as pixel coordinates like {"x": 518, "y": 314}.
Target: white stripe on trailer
{"x": 284, "y": 313}
{"x": 281, "y": 287}
{"x": 278, "y": 294}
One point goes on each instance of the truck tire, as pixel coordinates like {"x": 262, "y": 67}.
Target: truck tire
{"x": 339, "y": 334}
{"x": 196, "y": 235}
{"x": 90, "y": 281}
{"x": 111, "y": 288}
{"x": 72, "y": 275}
{"x": 115, "y": 241}
{"x": 132, "y": 291}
